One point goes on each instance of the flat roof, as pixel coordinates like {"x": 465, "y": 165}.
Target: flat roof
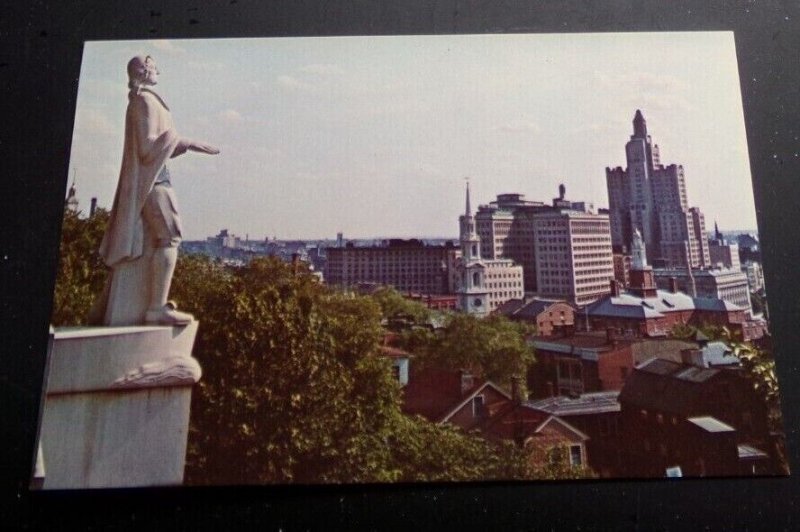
{"x": 711, "y": 424}
{"x": 588, "y": 403}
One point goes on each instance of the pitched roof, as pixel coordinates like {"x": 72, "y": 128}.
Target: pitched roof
{"x": 436, "y": 394}
{"x": 667, "y": 386}
{"x": 523, "y": 308}
{"x": 470, "y": 395}
{"x": 519, "y": 421}
{"x": 630, "y": 305}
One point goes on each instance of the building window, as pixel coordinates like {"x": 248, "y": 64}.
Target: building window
{"x": 575, "y": 455}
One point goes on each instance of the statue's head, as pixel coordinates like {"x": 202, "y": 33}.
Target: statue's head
{"x": 142, "y": 71}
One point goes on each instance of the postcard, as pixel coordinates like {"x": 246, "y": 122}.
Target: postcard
{"x": 409, "y": 259}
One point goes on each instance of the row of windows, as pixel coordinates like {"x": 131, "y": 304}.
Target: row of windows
{"x": 507, "y": 295}
{"x": 507, "y": 275}
{"x": 601, "y": 280}
{"x": 503, "y": 285}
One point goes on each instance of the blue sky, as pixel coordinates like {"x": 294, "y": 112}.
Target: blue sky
{"x": 373, "y": 136}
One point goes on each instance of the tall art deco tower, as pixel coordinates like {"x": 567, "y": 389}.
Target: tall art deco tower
{"x": 651, "y": 198}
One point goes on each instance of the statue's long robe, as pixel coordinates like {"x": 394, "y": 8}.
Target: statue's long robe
{"x": 150, "y": 139}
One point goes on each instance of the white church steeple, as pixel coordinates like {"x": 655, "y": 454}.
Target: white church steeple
{"x": 473, "y": 296}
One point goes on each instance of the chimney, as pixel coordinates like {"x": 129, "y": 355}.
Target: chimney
{"x": 93, "y": 207}
{"x": 615, "y": 291}
{"x": 467, "y": 381}
{"x": 295, "y": 263}
{"x": 516, "y": 390}
{"x": 673, "y": 285}
{"x": 693, "y": 357}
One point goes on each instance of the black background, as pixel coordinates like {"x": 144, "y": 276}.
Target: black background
{"x": 40, "y": 51}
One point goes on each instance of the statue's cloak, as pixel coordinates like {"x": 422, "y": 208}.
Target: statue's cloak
{"x": 150, "y": 139}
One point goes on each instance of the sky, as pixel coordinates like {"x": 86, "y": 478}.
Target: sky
{"x": 375, "y": 136}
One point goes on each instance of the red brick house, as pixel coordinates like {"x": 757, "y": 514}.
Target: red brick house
{"x": 583, "y": 362}
{"x": 598, "y": 416}
{"x": 538, "y": 432}
{"x": 655, "y": 313}
{"x": 458, "y": 398}
{"x": 549, "y": 316}
{"x": 447, "y": 396}
{"x": 705, "y": 421}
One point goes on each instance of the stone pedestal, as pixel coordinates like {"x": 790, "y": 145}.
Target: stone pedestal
{"x": 116, "y": 411}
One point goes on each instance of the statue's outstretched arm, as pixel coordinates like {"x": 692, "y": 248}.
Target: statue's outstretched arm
{"x": 185, "y": 145}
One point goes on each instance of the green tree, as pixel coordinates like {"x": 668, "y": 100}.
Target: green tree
{"x": 427, "y": 452}
{"x": 81, "y": 272}
{"x": 393, "y": 305}
{"x": 494, "y": 346}
{"x": 292, "y": 390}
{"x": 556, "y": 466}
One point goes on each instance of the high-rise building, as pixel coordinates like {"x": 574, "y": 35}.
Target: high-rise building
{"x": 724, "y": 283}
{"x": 483, "y": 284}
{"x": 573, "y": 254}
{"x": 651, "y": 198}
{"x": 564, "y": 248}
{"x": 755, "y": 275}
{"x": 506, "y": 228}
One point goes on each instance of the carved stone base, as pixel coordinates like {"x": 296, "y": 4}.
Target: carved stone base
{"x": 116, "y": 412}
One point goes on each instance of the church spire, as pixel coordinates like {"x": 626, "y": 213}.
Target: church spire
{"x": 72, "y": 196}
{"x": 639, "y": 125}
{"x": 468, "y": 211}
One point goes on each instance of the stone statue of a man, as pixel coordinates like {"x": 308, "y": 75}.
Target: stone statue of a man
{"x": 144, "y": 230}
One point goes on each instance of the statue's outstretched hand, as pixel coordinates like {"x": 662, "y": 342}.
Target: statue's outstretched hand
{"x": 202, "y": 147}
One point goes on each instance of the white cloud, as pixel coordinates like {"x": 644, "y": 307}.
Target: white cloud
{"x": 206, "y": 66}
{"x": 165, "y": 45}
{"x": 291, "y": 82}
{"x": 231, "y": 116}
{"x": 519, "y": 127}
{"x": 322, "y": 69}
{"x": 641, "y": 82}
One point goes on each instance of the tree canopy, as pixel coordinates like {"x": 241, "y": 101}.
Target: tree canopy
{"x": 494, "y": 346}
{"x": 81, "y": 272}
{"x": 293, "y": 387}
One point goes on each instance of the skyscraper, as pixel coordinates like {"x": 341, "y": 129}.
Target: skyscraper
{"x": 564, "y": 248}
{"x": 651, "y": 198}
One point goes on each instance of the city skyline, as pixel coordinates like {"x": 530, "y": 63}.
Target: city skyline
{"x": 373, "y": 136}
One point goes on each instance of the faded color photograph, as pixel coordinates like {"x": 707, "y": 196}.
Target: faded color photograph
{"x": 439, "y": 258}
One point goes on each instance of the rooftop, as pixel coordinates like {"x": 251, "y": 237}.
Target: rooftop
{"x": 629, "y": 305}
{"x": 588, "y": 403}
{"x": 711, "y": 424}
{"x": 526, "y": 308}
